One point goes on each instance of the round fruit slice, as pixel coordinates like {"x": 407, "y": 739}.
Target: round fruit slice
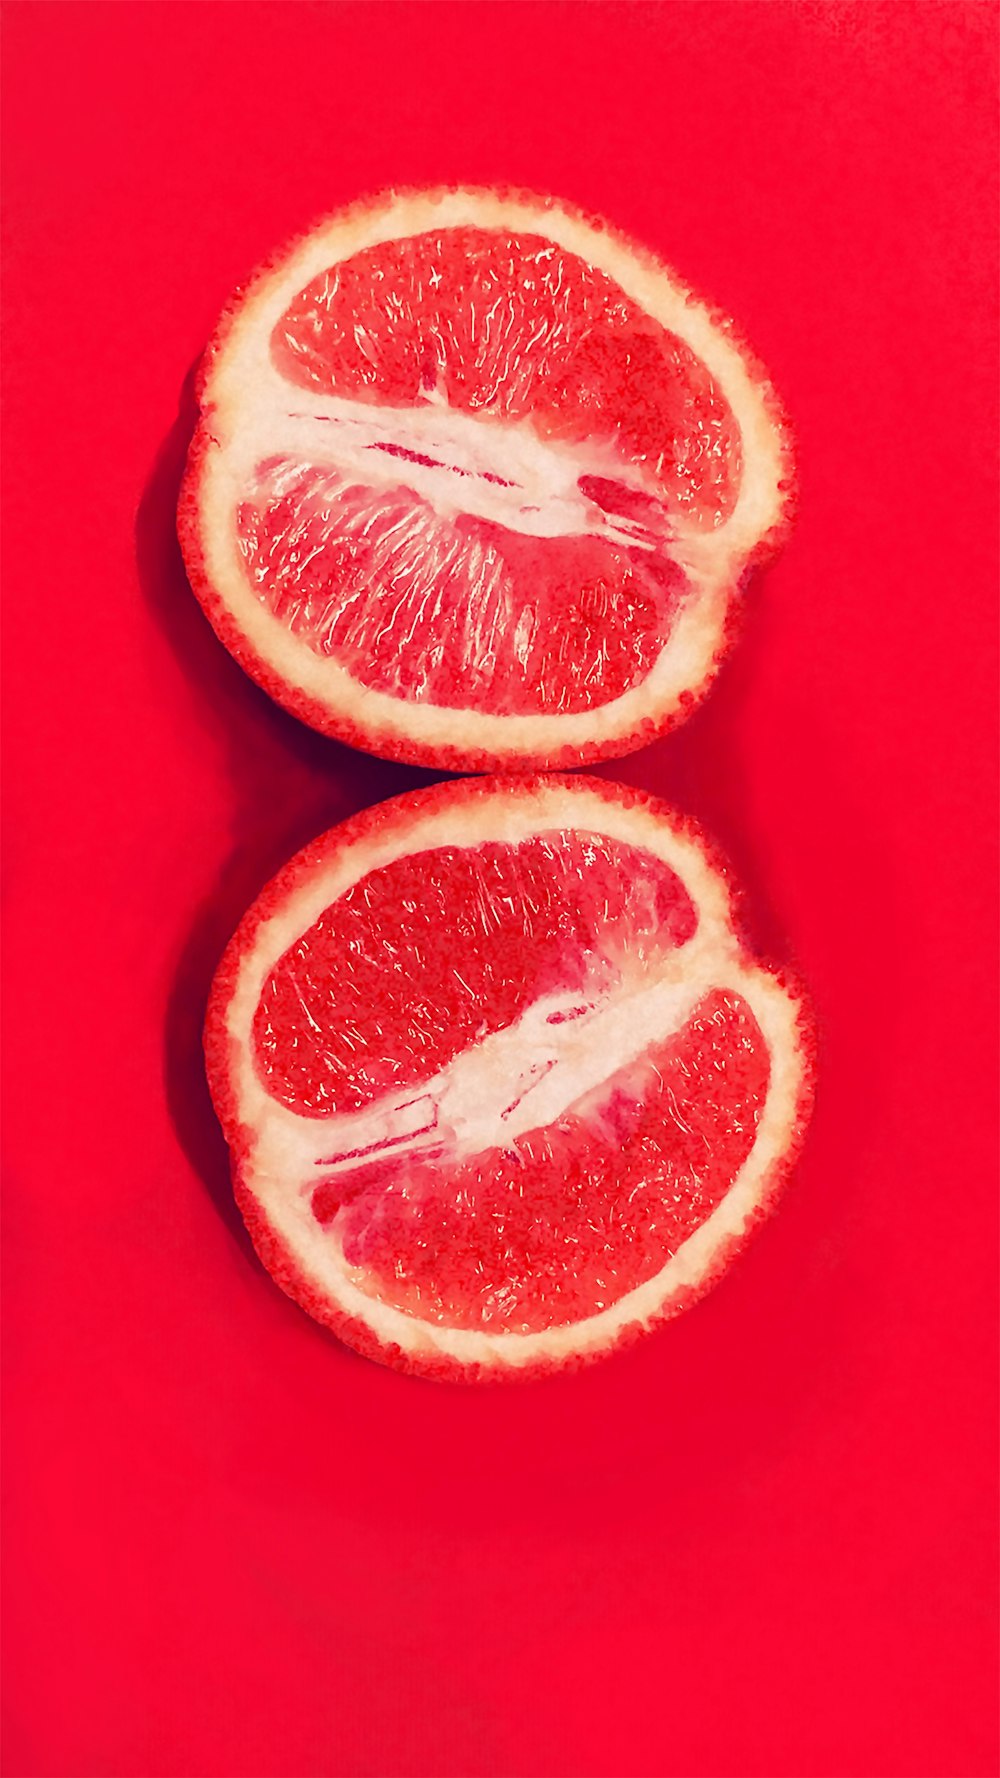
{"x": 476, "y": 481}
{"x": 502, "y": 1088}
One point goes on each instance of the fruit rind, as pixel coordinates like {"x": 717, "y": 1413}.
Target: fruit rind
{"x": 502, "y": 1357}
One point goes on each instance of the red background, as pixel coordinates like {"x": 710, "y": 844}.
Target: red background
{"x": 762, "y": 1542}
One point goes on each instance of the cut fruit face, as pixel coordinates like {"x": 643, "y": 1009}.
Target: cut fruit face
{"x": 501, "y": 1086}
{"x": 475, "y": 482}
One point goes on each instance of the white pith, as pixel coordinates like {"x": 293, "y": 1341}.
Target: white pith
{"x": 520, "y": 1079}
{"x": 253, "y": 414}
{"x": 538, "y": 495}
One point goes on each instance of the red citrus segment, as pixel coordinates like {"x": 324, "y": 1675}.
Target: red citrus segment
{"x": 428, "y": 955}
{"x": 512, "y": 325}
{"x": 455, "y": 609}
{"x": 561, "y": 1222}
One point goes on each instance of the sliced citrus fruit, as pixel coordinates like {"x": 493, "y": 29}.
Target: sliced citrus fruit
{"x": 476, "y": 480}
{"x": 502, "y": 1087}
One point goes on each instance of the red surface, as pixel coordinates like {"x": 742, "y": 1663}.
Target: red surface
{"x": 760, "y": 1543}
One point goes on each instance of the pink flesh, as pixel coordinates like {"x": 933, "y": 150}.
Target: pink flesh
{"x": 423, "y": 957}
{"x": 430, "y": 955}
{"x": 564, "y": 1220}
{"x": 415, "y": 595}
{"x": 456, "y": 611}
{"x": 514, "y": 327}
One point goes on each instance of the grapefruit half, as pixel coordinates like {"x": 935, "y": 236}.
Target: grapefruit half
{"x": 476, "y": 481}
{"x": 502, "y": 1086}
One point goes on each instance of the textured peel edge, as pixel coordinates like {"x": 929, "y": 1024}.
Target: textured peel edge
{"x": 277, "y": 1255}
